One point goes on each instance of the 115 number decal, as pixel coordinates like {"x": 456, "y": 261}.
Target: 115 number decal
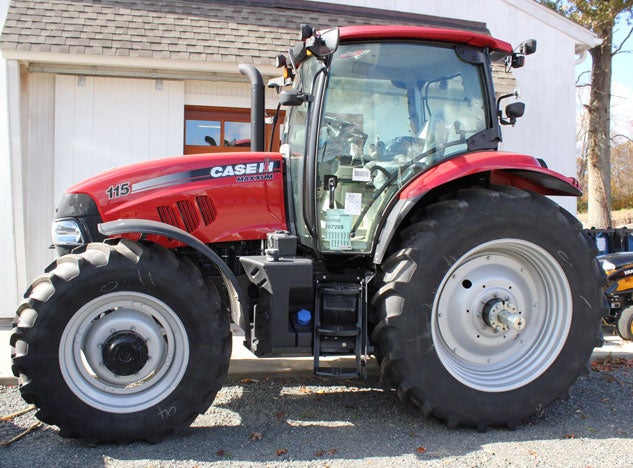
{"x": 119, "y": 190}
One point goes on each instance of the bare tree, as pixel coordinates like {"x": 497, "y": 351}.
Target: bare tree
{"x": 582, "y": 136}
{"x": 621, "y": 172}
{"x": 600, "y": 16}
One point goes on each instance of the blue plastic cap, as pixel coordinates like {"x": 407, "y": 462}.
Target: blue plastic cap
{"x": 304, "y": 317}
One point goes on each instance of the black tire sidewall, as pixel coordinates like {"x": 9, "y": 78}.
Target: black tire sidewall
{"x": 198, "y": 310}
{"x": 533, "y": 219}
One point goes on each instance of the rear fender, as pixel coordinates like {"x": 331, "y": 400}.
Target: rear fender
{"x": 515, "y": 170}
{"x": 498, "y": 168}
{"x": 144, "y": 226}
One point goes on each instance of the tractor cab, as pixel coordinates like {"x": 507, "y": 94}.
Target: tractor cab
{"x": 367, "y": 116}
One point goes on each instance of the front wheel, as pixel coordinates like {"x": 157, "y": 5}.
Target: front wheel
{"x": 490, "y": 307}
{"x": 121, "y": 343}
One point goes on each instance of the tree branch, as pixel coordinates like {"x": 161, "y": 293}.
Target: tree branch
{"x": 619, "y": 135}
{"x": 619, "y": 48}
{"x": 581, "y": 75}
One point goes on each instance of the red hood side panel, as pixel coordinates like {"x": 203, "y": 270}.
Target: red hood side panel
{"x": 215, "y": 197}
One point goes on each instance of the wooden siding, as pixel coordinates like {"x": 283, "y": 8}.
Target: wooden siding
{"x": 101, "y": 123}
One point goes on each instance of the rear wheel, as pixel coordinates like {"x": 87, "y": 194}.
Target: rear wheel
{"x": 490, "y": 308}
{"x": 121, "y": 343}
{"x": 625, "y": 324}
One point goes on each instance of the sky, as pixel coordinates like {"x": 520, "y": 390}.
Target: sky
{"x": 623, "y": 62}
{"x": 622, "y": 84}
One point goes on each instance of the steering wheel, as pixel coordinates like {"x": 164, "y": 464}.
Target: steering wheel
{"x": 344, "y": 128}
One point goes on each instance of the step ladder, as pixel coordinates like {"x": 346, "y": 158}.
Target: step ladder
{"x": 340, "y": 327}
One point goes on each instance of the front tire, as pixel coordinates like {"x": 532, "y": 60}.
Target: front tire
{"x": 489, "y": 308}
{"x": 120, "y": 343}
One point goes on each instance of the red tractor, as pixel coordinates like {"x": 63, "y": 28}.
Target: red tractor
{"x": 388, "y": 224}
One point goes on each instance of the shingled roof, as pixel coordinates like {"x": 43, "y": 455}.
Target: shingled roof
{"x": 186, "y": 31}
{"x": 203, "y": 30}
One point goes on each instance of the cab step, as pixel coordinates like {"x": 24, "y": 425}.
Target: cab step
{"x": 340, "y": 325}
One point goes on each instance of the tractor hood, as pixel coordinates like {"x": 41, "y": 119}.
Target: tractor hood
{"x": 216, "y": 197}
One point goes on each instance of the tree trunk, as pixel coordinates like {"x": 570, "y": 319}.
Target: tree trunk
{"x": 598, "y": 148}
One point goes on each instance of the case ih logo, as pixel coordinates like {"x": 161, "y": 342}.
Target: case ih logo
{"x": 243, "y": 172}
{"x": 242, "y": 169}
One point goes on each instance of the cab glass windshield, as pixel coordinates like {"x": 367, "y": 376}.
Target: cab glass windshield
{"x": 391, "y": 111}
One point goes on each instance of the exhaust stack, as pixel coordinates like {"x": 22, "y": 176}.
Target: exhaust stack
{"x": 257, "y": 105}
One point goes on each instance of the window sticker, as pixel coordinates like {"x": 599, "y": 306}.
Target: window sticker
{"x": 337, "y": 228}
{"x": 360, "y": 174}
{"x": 353, "y": 203}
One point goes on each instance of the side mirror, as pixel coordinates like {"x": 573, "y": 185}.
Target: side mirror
{"x": 324, "y": 43}
{"x": 305, "y": 31}
{"x": 517, "y": 59}
{"x": 513, "y": 112}
{"x": 527, "y": 47}
{"x": 292, "y": 97}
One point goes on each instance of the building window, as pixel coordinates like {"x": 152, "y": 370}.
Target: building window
{"x": 220, "y": 129}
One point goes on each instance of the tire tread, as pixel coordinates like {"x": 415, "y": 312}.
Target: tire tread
{"x": 387, "y": 334}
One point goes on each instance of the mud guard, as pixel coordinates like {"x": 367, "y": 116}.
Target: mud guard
{"x": 144, "y": 226}
{"x": 501, "y": 168}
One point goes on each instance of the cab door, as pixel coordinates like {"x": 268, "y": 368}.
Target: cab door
{"x": 390, "y": 112}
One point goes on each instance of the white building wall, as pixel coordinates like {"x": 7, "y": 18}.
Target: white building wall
{"x": 66, "y": 129}
{"x": 102, "y": 123}
{"x": 8, "y": 272}
{"x": 38, "y": 108}
{"x": 8, "y": 267}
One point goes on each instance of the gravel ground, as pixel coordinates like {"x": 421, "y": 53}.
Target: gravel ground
{"x": 314, "y": 422}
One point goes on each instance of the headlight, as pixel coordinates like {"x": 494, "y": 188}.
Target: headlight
{"x": 66, "y": 232}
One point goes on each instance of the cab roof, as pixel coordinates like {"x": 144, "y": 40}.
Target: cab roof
{"x": 454, "y": 36}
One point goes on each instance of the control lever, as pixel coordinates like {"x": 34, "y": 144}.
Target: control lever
{"x": 332, "y": 182}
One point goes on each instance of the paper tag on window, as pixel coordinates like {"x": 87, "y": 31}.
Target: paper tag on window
{"x": 353, "y": 203}
{"x": 360, "y": 174}
{"x": 337, "y": 228}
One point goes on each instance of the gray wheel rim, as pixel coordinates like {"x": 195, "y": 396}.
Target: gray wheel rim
{"x": 80, "y": 355}
{"x": 531, "y": 283}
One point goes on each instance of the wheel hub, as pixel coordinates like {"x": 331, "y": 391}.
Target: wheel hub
{"x": 126, "y": 346}
{"x": 502, "y": 315}
{"x": 125, "y": 353}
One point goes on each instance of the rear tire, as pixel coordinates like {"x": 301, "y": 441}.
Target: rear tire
{"x": 489, "y": 308}
{"x": 121, "y": 343}
{"x": 625, "y": 324}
